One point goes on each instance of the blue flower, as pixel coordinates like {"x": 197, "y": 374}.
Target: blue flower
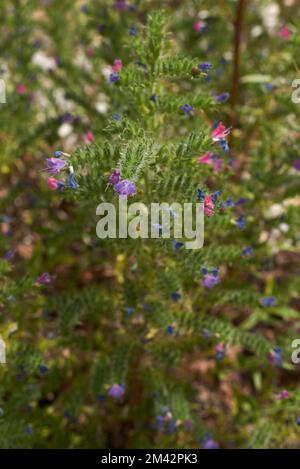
{"x": 114, "y": 77}
{"x": 117, "y": 117}
{"x": 215, "y": 272}
{"x": 130, "y": 310}
{"x": 200, "y": 195}
{"x": 28, "y": 429}
{"x": 205, "y": 66}
{"x": 269, "y": 86}
{"x": 176, "y": 296}
{"x": 247, "y": 252}
{"x": 72, "y": 182}
{"x": 172, "y": 426}
{"x": 241, "y": 201}
{"x": 43, "y": 369}
{"x": 187, "y": 109}
{"x": 222, "y": 98}
{"x": 241, "y": 222}
{"x": 154, "y": 98}
{"x": 160, "y": 422}
{"x": 171, "y": 329}
{"x": 177, "y": 245}
{"x": 278, "y": 356}
{"x": 133, "y": 31}
{"x": 57, "y": 154}
{"x": 224, "y": 145}
{"x": 268, "y": 301}
{"x": 215, "y": 196}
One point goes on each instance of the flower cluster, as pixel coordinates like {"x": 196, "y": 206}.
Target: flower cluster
{"x": 220, "y": 134}
{"x": 54, "y": 166}
{"x": 125, "y": 187}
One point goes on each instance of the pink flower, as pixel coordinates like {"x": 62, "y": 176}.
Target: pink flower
{"x": 211, "y": 159}
{"x": 44, "y": 279}
{"x": 283, "y": 395}
{"x": 199, "y": 26}
{"x": 218, "y": 164}
{"x": 117, "y": 66}
{"x": 22, "y": 89}
{"x": 206, "y": 158}
{"x": 90, "y": 52}
{"x": 220, "y": 132}
{"x": 89, "y": 136}
{"x": 209, "y": 206}
{"x": 285, "y": 33}
{"x": 52, "y": 184}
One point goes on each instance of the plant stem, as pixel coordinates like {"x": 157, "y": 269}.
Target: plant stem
{"x": 238, "y": 36}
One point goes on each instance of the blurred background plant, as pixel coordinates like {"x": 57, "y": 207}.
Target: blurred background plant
{"x": 141, "y": 343}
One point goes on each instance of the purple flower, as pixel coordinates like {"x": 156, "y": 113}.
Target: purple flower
{"x": 117, "y": 391}
{"x": 114, "y": 77}
{"x": 9, "y": 255}
{"x": 269, "y": 86}
{"x": 283, "y": 395}
{"x": 222, "y": 98}
{"x": 44, "y": 279}
{"x": 187, "y": 109}
{"x": 210, "y": 281}
{"x": 296, "y": 164}
{"x": 211, "y": 444}
{"x": 241, "y": 201}
{"x": 121, "y": 5}
{"x": 126, "y": 188}
{"x": 220, "y": 351}
{"x": 55, "y": 165}
{"x": 115, "y": 177}
{"x": 205, "y": 66}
